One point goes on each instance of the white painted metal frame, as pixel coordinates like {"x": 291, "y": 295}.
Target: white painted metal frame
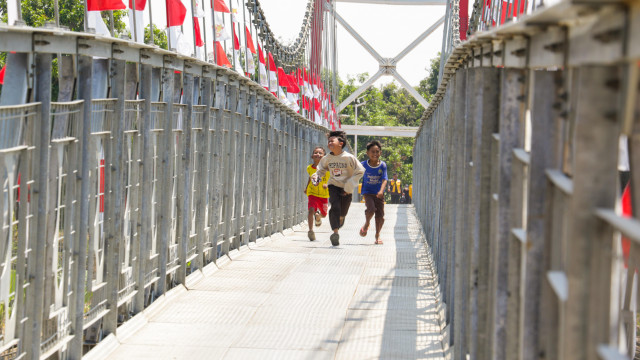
{"x": 387, "y": 65}
{"x": 399, "y": 131}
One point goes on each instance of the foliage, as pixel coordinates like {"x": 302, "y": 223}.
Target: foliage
{"x": 429, "y": 86}
{"x": 159, "y": 37}
{"x": 389, "y": 105}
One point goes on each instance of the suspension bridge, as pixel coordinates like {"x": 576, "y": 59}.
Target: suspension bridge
{"x": 152, "y": 202}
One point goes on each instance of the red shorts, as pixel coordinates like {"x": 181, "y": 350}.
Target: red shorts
{"x": 319, "y": 204}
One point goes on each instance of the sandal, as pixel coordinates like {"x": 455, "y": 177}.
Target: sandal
{"x": 378, "y": 242}
{"x": 312, "y": 235}
{"x": 363, "y": 232}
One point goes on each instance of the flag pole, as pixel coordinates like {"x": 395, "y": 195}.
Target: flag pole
{"x": 267, "y": 65}
{"x": 135, "y": 22}
{"x": 151, "y": 30}
{"x": 166, "y": 10}
{"x": 86, "y": 16}
{"x": 225, "y": 23}
{"x": 246, "y": 48}
{"x": 194, "y": 18}
{"x": 56, "y": 10}
{"x": 111, "y": 22}
{"x": 251, "y": 28}
{"x": 215, "y": 37}
{"x": 204, "y": 26}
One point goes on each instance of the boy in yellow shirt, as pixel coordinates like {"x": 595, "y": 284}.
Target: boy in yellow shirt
{"x": 318, "y": 194}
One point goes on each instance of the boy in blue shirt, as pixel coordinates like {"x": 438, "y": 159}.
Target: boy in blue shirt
{"x": 373, "y": 184}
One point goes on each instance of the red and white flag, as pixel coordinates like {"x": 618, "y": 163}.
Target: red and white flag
{"x": 220, "y": 6}
{"x": 273, "y": 79}
{"x": 283, "y": 83}
{"x": 249, "y": 40}
{"x": 105, "y": 5}
{"x": 317, "y": 117}
{"x": 509, "y": 10}
{"x": 198, "y": 9}
{"x": 236, "y": 53}
{"x": 137, "y": 26}
{"x": 251, "y": 65}
{"x": 234, "y": 11}
{"x": 315, "y": 88}
{"x": 262, "y": 69}
{"x": 198, "y": 36}
{"x": 176, "y": 13}
{"x": 94, "y": 18}
{"x": 221, "y": 59}
{"x": 292, "y": 92}
{"x": 222, "y": 33}
{"x": 308, "y": 92}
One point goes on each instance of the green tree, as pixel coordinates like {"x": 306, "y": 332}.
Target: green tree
{"x": 159, "y": 37}
{"x": 429, "y": 86}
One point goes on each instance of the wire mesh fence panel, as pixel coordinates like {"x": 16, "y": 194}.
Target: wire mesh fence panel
{"x": 16, "y": 148}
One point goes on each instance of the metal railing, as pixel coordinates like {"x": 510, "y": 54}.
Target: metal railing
{"x": 516, "y": 182}
{"x": 117, "y": 195}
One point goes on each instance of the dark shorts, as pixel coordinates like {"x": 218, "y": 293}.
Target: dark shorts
{"x": 374, "y": 205}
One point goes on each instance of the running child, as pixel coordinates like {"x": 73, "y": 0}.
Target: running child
{"x": 373, "y": 184}
{"x": 344, "y": 174}
{"x": 318, "y": 194}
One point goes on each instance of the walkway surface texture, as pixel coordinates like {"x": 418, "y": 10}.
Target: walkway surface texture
{"x": 289, "y": 298}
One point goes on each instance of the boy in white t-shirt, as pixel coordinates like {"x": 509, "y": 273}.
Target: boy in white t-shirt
{"x": 345, "y": 172}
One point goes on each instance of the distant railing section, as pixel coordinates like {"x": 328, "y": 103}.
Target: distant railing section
{"x": 518, "y": 166}
{"x": 116, "y": 193}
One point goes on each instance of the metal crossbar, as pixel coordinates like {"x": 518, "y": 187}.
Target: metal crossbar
{"x": 387, "y": 66}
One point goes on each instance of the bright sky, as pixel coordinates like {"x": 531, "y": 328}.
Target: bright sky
{"x": 388, "y": 29}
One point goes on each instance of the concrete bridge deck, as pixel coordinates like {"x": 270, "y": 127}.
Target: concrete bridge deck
{"x": 289, "y": 298}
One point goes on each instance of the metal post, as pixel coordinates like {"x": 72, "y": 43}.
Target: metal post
{"x": 184, "y": 220}
{"x": 35, "y": 290}
{"x": 165, "y": 179}
{"x": 204, "y": 187}
{"x": 113, "y": 208}
{"x": 460, "y": 297}
{"x": 589, "y": 265}
{"x": 85, "y": 67}
{"x": 512, "y": 112}
{"x": 146, "y": 165}
{"x": 485, "y": 109}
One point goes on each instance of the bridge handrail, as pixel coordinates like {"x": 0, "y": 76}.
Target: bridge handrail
{"x": 520, "y": 163}
{"x": 543, "y": 39}
{"x": 166, "y": 166}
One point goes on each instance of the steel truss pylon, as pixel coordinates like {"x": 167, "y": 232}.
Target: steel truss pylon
{"x": 387, "y": 65}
